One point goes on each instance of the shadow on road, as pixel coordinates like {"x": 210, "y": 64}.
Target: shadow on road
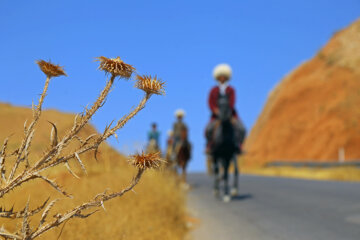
{"x": 242, "y": 197}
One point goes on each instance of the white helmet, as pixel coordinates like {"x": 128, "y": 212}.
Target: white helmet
{"x": 170, "y": 133}
{"x": 222, "y": 70}
{"x": 180, "y": 113}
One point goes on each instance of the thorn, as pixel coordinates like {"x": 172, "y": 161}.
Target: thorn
{"x": 53, "y": 135}
{"x": 102, "y": 205}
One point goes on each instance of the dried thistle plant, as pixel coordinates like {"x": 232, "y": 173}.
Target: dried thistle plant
{"x": 146, "y": 160}
{"x": 50, "y": 69}
{"x": 151, "y": 85}
{"x": 115, "y": 67}
{"x": 56, "y": 155}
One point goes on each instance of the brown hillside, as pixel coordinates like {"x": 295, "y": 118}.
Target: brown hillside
{"x": 12, "y": 120}
{"x": 315, "y": 110}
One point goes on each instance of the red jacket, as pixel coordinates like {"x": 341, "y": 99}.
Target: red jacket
{"x": 213, "y": 99}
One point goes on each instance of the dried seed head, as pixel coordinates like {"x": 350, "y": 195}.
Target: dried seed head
{"x": 150, "y": 85}
{"x": 146, "y": 160}
{"x": 115, "y": 66}
{"x": 51, "y": 70}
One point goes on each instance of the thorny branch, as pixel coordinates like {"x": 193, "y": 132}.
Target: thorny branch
{"x": 54, "y": 155}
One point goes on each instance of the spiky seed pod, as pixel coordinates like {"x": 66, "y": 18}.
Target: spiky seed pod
{"x": 115, "y": 66}
{"x": 151, "y": 85}
{"x": 146, "y": 160}
{"x": 51, "y": 70}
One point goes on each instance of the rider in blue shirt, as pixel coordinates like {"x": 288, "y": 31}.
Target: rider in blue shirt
{"x": 154, "y": 134}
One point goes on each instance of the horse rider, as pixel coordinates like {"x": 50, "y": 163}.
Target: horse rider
{"x": 169, "y": 147}
{"x": 222, "y": 74}
{"x": 182, "y": 147}
{"x": 153, "y": 136}
{"x": 180, "y": 131}
{"x": 170, "y": 139}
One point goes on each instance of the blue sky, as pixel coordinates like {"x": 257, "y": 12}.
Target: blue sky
{"x": 180, "y": 41}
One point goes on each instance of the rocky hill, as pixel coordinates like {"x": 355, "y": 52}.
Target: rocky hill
{"x": 315, "y": 110}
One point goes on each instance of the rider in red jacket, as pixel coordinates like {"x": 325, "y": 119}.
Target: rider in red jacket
{"x": 214, "y": 96}
{"x": 222, "y": 73}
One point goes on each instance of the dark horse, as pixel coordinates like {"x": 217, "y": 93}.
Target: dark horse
{"x": 224, "y": 150}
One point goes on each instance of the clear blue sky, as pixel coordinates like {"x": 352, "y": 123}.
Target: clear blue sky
{"x": 180, "y": 41}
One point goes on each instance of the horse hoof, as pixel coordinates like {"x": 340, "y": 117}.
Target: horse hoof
{"x": 216, "y": 193}
{"x": 234, "y": 192}
{"x": 185, "y": 186}
{"x": 226, "y": 198}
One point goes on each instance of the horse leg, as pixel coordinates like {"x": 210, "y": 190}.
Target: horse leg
{"x": 226, "y": 164}
{"x": 234, "y": 190}
{"x": 215, "y": 166}
{"x": 183, "y": 167}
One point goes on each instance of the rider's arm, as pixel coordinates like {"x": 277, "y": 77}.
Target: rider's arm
{"x": 213, "y": 101}
{"x": 231, "y": 93}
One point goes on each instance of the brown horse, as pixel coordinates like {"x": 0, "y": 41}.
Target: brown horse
{"x": 183, "y": 153}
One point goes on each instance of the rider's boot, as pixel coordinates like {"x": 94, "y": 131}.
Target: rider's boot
{"x": 209, "y": 135}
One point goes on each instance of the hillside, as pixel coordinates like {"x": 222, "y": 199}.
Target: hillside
{"x": 314, "y": 111}
{"x": 156, "y": 211}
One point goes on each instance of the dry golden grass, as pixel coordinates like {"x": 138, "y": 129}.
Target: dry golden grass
{"x": 156, "y": 209}
{"x": 334, "y": 173}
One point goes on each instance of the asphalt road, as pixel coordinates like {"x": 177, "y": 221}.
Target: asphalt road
{"x": 277, "y": 209}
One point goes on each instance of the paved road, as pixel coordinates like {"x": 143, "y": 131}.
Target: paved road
{"x": 277, "y": 209}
